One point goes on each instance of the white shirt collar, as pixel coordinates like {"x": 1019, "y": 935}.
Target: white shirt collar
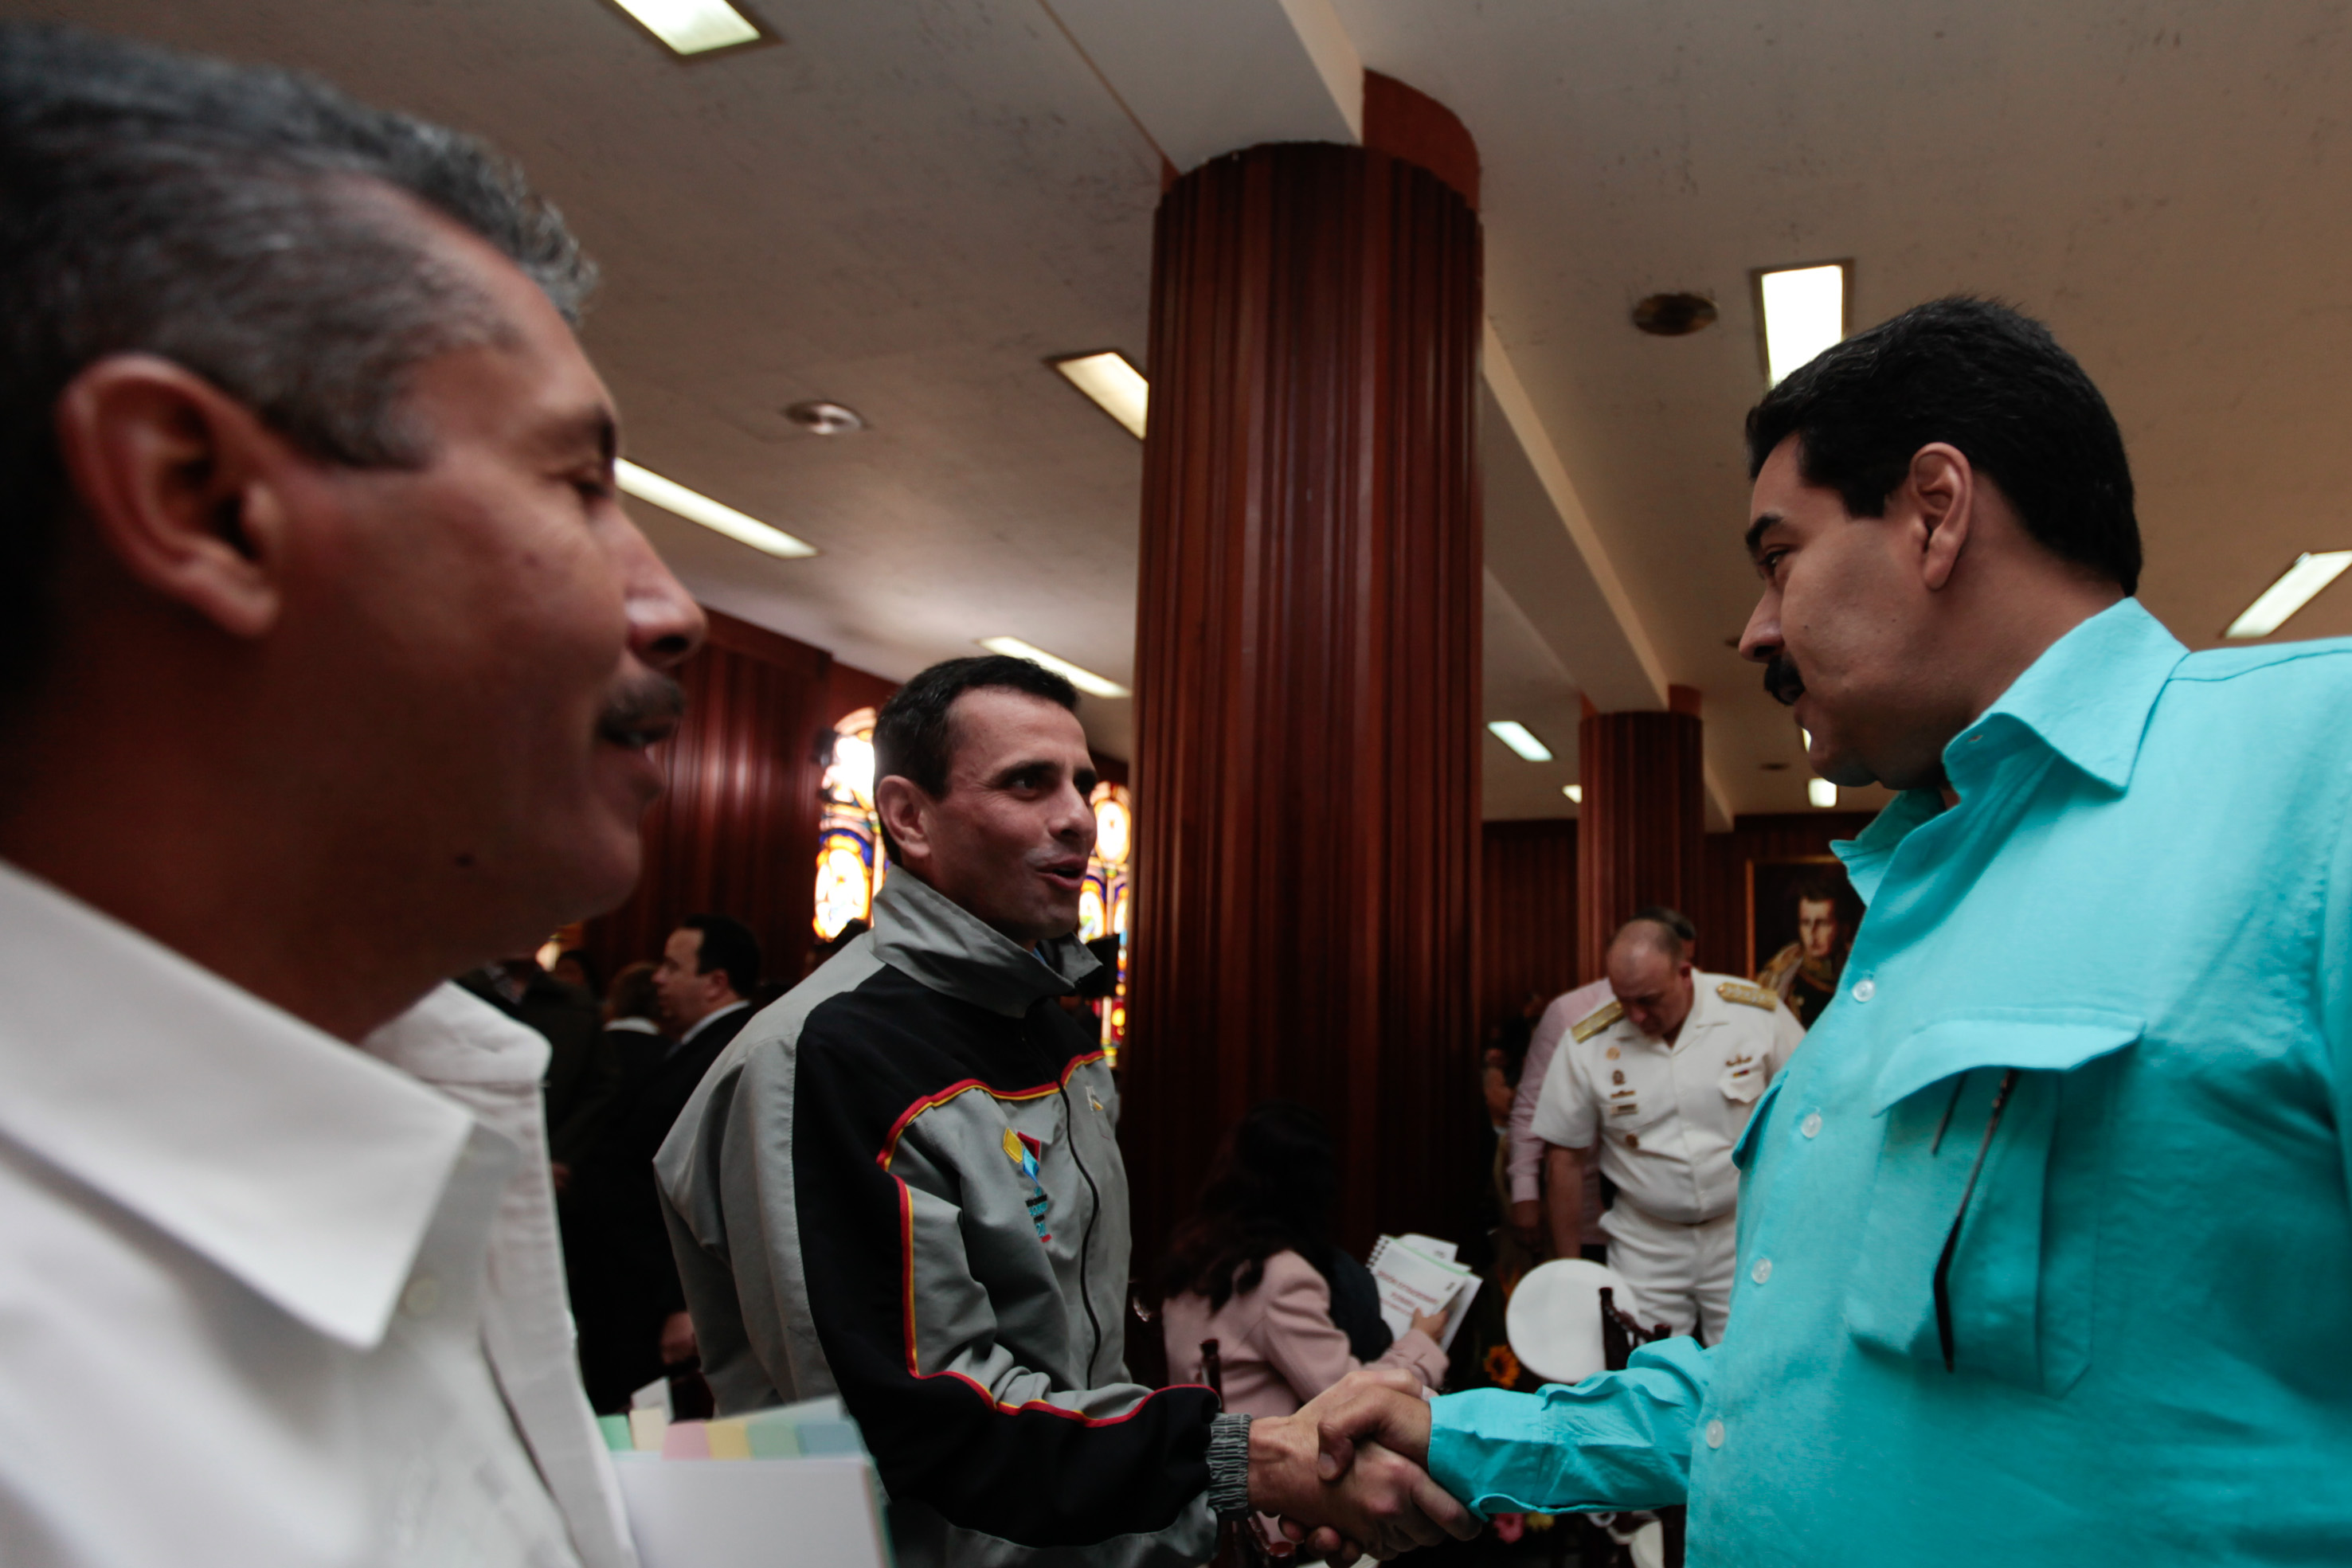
{"x": 706, "y": 1019}
{"x": 633, "y": 1026}
{"x": 304, "y": 1168}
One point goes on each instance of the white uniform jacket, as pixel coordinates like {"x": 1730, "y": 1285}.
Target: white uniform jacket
{"x": 1666, "y": 1117}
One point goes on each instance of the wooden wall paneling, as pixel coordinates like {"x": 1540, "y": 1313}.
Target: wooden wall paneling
{"x": 1527, "y": 920}
{"x": 1645, "y": 823}
{"x": 854, "y": 688}
{"x": 1307, "y": 681}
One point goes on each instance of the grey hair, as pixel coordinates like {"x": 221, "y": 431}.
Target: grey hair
{"x": 234, "y": 220}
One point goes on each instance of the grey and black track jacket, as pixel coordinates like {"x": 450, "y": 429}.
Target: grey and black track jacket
{"x": 902, "y": 1183}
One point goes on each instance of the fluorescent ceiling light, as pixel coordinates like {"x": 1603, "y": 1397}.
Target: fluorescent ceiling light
{"x": 2291, "y": 592}
{"x": 1821, "y": 791}
{"x": 1086, "y": 680}
{"x": 693, "y": 26}
{"x": 1574, "y": 793}
{"x": 1804, "y": 312}
{"x": 695, "y": 506}
{"x": 1517, "y": 737}
{"x": 1117, "y": 388}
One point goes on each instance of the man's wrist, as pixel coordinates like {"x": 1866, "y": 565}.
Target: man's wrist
{"x": 1229, "y": 1465}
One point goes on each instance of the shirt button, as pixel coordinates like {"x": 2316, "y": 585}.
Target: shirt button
{"x": 424, "y": 1294}
{"x": 1715, "y": 1434}
{"x": 1864, "y": 990}
{"x": 1811, "y": 1125}
{"x": 1762, "y": 1272}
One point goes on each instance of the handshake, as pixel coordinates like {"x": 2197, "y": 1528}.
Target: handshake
{"x": 1347, "y": 1474}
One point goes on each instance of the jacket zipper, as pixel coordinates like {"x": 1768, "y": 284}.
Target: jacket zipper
{"x": 1094, "y": 1211}
{"x": 1085, "y": 1242}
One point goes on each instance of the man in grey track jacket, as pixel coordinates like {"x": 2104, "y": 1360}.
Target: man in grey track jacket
{"x": 902, "y": 1184}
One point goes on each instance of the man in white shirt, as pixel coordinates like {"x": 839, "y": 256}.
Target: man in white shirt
{"x": 329, "y": 663}
{"x": 1663, "y": 1078}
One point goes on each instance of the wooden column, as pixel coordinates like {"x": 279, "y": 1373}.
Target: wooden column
{"x": 1307, "y": 670}
{"x": 1642, "y": 832}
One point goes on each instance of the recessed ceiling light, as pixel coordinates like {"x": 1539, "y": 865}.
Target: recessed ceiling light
{"x": 1673, "y": 315}
{"x": 697, "y": 508}
{"x": 1521, "y": 739}
{"x": 693, "y": 26}
{"x": 1574, "y": 793}
{"x": 1821, "y": 792}
{"x": 822, "y": 418}
{"x": 1117, "y": 388}
{"x": 1078, "y": 676}
{"x": 1803, "y": 312}
{"x": 2292, "y": 590}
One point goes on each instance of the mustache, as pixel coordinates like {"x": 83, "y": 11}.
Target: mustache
{"x": 648, "y": 705}
{"x": 1781, "y": 679}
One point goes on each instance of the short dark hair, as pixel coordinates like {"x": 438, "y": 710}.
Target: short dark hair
{"x": 1817, "y": 887}
{"x": 634, "y": 995}
{"x": 914, "y": 737}
{"x": 223, "y": 217}
{"x": 727, "y": 943}
{"x": 1991, "y": 381}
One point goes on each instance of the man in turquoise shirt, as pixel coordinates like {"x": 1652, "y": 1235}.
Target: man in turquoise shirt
{"x": 2045, "y": 1242}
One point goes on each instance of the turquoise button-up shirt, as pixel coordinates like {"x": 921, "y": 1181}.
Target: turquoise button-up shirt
{"x": 2137, "y": 920}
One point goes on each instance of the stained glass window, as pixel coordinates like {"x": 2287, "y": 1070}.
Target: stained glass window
{"x": 849, "y": 861}
{"x": 1102, "y": 903}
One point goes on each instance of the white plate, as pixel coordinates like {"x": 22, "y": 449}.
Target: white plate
{"x": 1554, "y": 1319}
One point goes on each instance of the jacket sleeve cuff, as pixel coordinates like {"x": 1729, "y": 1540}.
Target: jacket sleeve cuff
{"x": 1229, "y": 1466}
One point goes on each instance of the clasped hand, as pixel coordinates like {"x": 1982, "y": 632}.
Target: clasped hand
{"x": 1347, "y": 1474}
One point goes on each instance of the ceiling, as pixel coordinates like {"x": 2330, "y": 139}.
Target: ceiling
{"x": 907, "y": 206}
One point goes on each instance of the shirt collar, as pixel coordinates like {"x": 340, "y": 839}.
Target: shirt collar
{"x": 2087, "y": 698}
{"x": 455, "y": 1037}
{"x": 300, "y": 1165}
{"x": 921, "y": 931}
{"x": 704, "y": 1021}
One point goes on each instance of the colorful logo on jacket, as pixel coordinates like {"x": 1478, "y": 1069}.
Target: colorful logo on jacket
{"x": 1026, "y": 1152}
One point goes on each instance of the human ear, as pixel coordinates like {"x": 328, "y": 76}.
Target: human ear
{"x": 903, "y": 807}
{"x": 1941, "y": 488}
{"x": 173, "y": 476}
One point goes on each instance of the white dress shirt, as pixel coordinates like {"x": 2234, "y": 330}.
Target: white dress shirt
{"x": 265, "y": 1299}
{"x": 1666, "y": 1116}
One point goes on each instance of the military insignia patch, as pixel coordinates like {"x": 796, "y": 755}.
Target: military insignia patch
{"x": 1593, "y": 1023}
{"x": 1027, "y": 1155}
{"x": 1740, "y": 991}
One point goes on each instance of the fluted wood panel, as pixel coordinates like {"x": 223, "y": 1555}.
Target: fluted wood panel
{"x": 1722, "y": 914}
{"x": 735, "y": 831}
{"x": 1527, "y": 921}
{"x": 1643, "y": 825}
{"x": 1308, "y": 678}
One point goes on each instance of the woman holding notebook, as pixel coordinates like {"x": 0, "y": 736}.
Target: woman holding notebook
{"x": 1254, "y": 1268}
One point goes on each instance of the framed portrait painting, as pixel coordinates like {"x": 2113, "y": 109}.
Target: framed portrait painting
{"x": 1801, "y": 915}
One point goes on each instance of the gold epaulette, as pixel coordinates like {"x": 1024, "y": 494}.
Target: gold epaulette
{"x": 1751, "y": 996}
{"x": 1593, "y": 1023}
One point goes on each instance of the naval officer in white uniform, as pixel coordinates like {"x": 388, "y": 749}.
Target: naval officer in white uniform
{"x": 1663, "y": 1078}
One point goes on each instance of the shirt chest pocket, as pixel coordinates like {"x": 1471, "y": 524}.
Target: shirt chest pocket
{"x": 1743, "y": 1077}
{"x": 1980, "y": 1237}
